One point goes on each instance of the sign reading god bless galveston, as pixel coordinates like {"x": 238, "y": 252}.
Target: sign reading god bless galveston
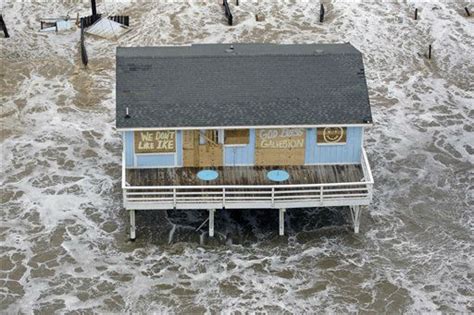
{"x": 280, "y": 138}
{"x": 159, "y": 141}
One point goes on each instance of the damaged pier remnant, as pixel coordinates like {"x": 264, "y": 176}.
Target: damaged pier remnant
{"x": 122, "y": 19}
{"x": 321, "y": 13}
{"x": 227, "y": 12}
{"x": 3, "y": 27}
{"x": 84, "y": 57}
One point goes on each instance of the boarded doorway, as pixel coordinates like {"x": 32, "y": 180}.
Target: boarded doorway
{"x": 201, "y": 148}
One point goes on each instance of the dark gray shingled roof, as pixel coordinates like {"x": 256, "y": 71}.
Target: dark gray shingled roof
{"x": 213, "y": 85}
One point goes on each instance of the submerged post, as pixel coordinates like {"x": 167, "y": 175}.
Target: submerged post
{"x": 84, "y": 57}
{"x": 132, "y": 225}
{"x": 467, "y": 11}
{"x": 3, "y": 27}
{"x": 227, "y": 12}
{"x": 321, "y": 13}
{"x": 282, "y": 222}
{"x": 211, "y": 222}
{"x": 416, "y": 14}
{"x": 355, "y": 215}
{"x": 429, "y": 52}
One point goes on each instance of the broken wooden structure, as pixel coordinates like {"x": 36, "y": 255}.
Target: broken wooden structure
{"x": 111, "y": 27}
{"x": 122, "y": 19}
{"x": 90, "y": 19}
{"x": 57, "y": 25}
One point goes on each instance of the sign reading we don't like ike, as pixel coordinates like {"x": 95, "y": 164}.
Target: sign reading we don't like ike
{"x": 159, "y": 141}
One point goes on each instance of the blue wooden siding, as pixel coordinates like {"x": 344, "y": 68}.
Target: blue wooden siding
{"x": 152, "y": 160}
{"x": 242, "y": 154}
{"x": 338, "y": 153}
{"x": 245, "y": 155}
{"x": 128, "y": 147}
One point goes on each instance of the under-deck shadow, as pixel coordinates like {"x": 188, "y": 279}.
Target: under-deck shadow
{"x": 243, "y": 226}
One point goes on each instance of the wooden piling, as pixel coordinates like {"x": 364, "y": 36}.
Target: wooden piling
{"x": 429, "y": 52}
{"x": 467, "y": 11}
{"x": 416, "y": 14}
{"x": 3, "y": 26}
{"x": 227, "y": 12}
{"x": 84, "y": 58}
{"x": 94, "y": 9}
{"x": 321, "y": 13}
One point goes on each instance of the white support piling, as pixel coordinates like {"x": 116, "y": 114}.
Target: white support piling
{"x": 211, "y": 222}
{"x": 355, "y": 215}
{"x": 282, "y": 221}
{"x": 132, "y": 225}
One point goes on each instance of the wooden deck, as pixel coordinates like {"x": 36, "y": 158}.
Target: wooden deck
{"x": 245, "y": 175}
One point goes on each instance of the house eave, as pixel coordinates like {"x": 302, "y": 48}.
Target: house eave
{"x": 243, "y": 127}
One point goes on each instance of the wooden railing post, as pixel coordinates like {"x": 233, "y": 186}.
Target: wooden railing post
{"x": 223, "y": 197}
{"x": 370, "y": 187}
{"x": 174, "y": 197}
{"x": 321, "y": 194}
{"x": 273, "y": 196}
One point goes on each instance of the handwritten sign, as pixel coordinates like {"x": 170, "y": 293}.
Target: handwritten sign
{"x": 161, "y": 141}
{"x": 280, "y": 138}
{"x": 332, "y": 135}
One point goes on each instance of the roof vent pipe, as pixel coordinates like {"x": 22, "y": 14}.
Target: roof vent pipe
{"x": 126, "y": 113}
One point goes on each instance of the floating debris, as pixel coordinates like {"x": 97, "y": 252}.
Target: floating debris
{"x": 259, "y": 17}
{"x": 106, "y": 28}
{"x": 56, "y": 24}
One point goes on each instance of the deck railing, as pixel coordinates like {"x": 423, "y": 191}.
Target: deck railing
{"x": 250, "y": 196}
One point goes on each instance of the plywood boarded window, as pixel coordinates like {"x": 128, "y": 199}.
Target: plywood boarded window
{"x": 159, "y": 141}
{"x": 332, "y": 135}
{"x": 280, "y": 146}
{"x": 236, "y": 136}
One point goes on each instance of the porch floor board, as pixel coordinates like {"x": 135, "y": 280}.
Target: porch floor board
{"x": 245, "y": 175}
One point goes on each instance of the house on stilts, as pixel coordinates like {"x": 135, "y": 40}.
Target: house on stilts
{"x": 243, "y": 126}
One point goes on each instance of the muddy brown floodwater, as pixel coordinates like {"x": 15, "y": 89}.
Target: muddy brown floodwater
{"x": 63, "y": 234}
